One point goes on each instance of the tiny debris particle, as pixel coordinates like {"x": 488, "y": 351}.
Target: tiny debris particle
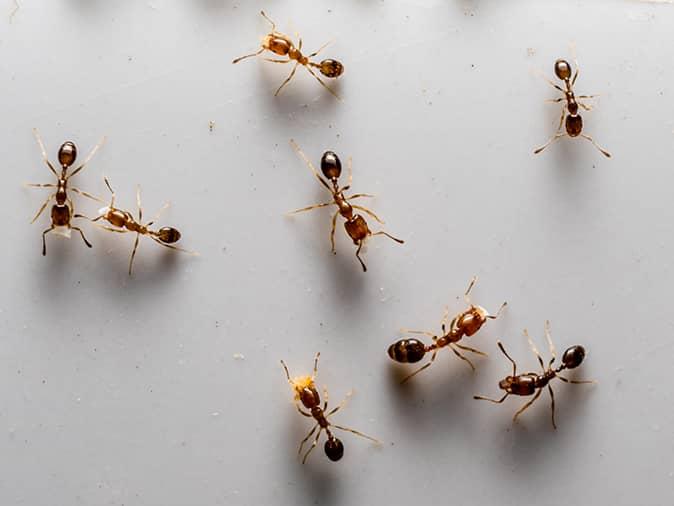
{"x": 238, "y": 356}
{"x": 211, "y": 125}
{"x": 531, "y": 51}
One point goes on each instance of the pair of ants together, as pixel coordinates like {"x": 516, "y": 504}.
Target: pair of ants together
{"x": 121, "y": 221}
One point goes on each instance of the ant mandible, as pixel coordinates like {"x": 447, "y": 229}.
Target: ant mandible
{"x": 572, "y": 122}
{"x": 307, "y": 393}
{"x": 123, "y": 222}
{"x": 355, "y": 225}
{"x": 465, "y": 324}
{"x": 531, "y": 383}
{"x": 62, "y": 210}
{"x": 282, "y": 45}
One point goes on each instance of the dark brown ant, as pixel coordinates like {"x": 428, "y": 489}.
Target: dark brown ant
{"x": 306, "y": 392}
{"x": 570, "y": 119}
{"x": 355, "y": 224}
{"x": 123, "y": 222}
{"x": 62, "y": 210}
{"x": 281, "y": 44}
{"x": 531, "y": 383}
{"x": 465, "y": 324}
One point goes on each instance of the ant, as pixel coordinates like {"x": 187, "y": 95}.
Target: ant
{"x": 62, "y": 210}
{"x": 465, "y": 324}
{"x": 123, "y": 222}
{"x": 306, "y": 393}
{"x": 573, "y": 122}
{"x": 531, "y": 383}
{"x": 282, "y": 45}
{"x": 355, "y": 224}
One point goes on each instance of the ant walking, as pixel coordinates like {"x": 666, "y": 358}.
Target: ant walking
{"x": 123, "y": 222}
{"x": 355, "y": 225}
{"x": 531, "y": 383}
{"x": 570, "y": 118}
{"x": 465, "y": 324}
{"x": 62, "y": 210}
{"x": 306, "y": 392}
{"x": 281, "y": 44}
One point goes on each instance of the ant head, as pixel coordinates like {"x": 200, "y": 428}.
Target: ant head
{"x": 67, "y": 154}
{"x": 168, "y": 235}
{"x": 331, "y": 68}
{"x": 506, "y": 383}
{"x": 334, "y": 449}
{"x": 562, "y": 69}
{"x": 331, "y": 165}
{"x": 573, "y": 356}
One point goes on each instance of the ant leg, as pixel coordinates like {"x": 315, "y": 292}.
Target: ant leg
{"x": 322, "y": 83}
{"x": 480, "y": 398}
{"x": 424, "y": 332}
{"x": 42, "y": 208}
{"x": 603, "y": 151}
{"x": 472, "y": 350}
{"x": 44, "y": 243}
{"x": 498, "y": 313}
{"x": 360, "y": 246}
{"x": 86, "y": 194}
{"x": 577, "y": 382}
{"x": 456, "y": 352}
{"x": 325, "y": 396}
{"x": 443, "y": 322}
{"x": 357, "y": 433}
{"x": 585, "y": 106}
{"x": 320, "y": 49}
{"x": 360, "y": 195}
{"x": 316, "y": 364}
{"x": 313, "y": 445}
{"x": 309, "y": 208}
{"x": 285, "y": 368}
{"x": 89, "y": 157}
{"x": 82, "y": 234}
{"x": 140, "y": 207}
{"x": 341, "y": 404}
{"x": 554, "y": 138}
{"x": 552, "y": 407}
{"x": 287, "y": 80}
{"x": 553, "y": 352}
{"x": 466, "y": 295}
{"x": 237, "y": 60}
{"x": 410, "y": 376}
{"x": 366, "y": 210}
{"x": 273, "y": 25}
{"x": 500, "y": 345}
{"x": 381, "y": 232}
{"x": 41, "y": 185}
{"x": 297, "y": 149}
{"x": 523, "y": 408}
{"x": 575, "y": 60}
{"x": 332, "y": 232}
{"x": 170, "y": 246}
{"x": 87, "y": 218}
{"x": 311, "y": 433}
{"x": 110, "y": 229}
{"x": 552, "y": 83}
{"x": 156, "y": 217}
{"x": 133, "y": 253}
{"x": 304, "y": 413}
{"x": 272, "y": 60}
{"x": 43, "y": 151}
{"x": 556, "y": 100}
{"x": 534, "y": 349}
{"x": 112, "y": 192}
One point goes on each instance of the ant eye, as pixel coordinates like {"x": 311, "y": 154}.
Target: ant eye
{"x": 331, "y": 165}
{"x": 67, "y": 154}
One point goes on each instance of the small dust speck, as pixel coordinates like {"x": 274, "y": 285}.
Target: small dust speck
{"x": 238, "y": 356}
{"x": 211, "y": 125}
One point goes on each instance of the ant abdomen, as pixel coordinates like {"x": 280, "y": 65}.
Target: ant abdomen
{"x": 334, "y": 449}
{"x": 331, "y": 165}
{"x": 407, "y": 351}
{"x": 331, "y": 68}
{"x": 168, "y": 235}
{"x": 573, "y": 356}
{"x": 574, "y": 125}
{"x": 67, "y": 154}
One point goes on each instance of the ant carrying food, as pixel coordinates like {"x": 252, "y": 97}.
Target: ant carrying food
{"x": 355, "y": 225}
{"x": 281, "y": 44}
{"x": 123, "y": 222}
{"x": 570, "y": 119}
{"x": 531, "y": 383}
{"x": 306, "y": 392}
{"x": 465, "y": 324}
{"x": 62, "y": 210}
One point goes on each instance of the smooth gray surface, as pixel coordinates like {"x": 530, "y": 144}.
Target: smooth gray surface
{"x": 128, "y": 391}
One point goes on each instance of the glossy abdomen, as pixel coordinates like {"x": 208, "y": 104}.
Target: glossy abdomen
{"x": 407, "y": 351}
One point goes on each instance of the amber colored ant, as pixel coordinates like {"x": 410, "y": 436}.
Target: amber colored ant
{"x": 281, "y": 44}
{"x": 307, "y": 393}
{"x": 123, "y": 222}
{"x": 465, "y": 324}
{"x": 531, "y": 383}
{"x": 573, "y": 123}
{"x": 355, "y": 224}
{"x": 62, "y": 210}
